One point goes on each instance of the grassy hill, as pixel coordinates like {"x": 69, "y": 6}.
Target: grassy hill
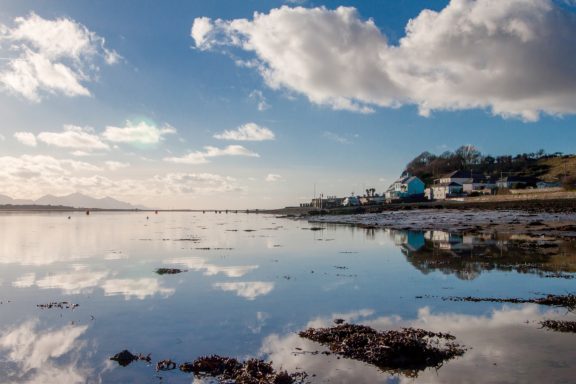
{"x": 548, "y": 167}
{"x": 555, "y": 168}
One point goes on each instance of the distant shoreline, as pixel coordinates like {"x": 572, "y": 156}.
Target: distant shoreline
{"x": 530, "y": 203}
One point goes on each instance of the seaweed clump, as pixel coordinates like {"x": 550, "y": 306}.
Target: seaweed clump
{"x": 559, "y": 325}
{"x": 406, "y": 351}
{"x": 252, "y": 371}
{"x": 168, "y": 271}
{"x": 126, "y": 357}
{"x": 564, "y": 301}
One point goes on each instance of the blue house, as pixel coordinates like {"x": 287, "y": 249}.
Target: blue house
{"x": 406, "y": 186}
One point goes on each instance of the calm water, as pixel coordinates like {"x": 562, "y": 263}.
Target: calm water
{"x": 252, "y": 282}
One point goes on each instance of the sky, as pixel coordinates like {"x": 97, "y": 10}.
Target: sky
{"x": 226, "y": 104}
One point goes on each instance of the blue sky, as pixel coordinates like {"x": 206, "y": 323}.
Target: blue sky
{"x": 203, "y": 104}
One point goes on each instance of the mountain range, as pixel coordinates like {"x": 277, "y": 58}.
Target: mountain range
{"x": 76, "y": 200}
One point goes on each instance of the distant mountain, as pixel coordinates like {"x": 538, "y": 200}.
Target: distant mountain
{"x": 76, "y": 200}
{"x": 4, "y": 200}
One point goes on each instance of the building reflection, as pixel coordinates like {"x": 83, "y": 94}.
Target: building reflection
{"x": 468, "y": 255}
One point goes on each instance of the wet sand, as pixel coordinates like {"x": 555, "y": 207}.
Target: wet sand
{"x": 531, "y": 223}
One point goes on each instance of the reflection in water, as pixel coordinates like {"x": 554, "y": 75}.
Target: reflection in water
{"x": 76, "y": 281}
{"x": 138, "y": 288}
{"x": 200, "y": 264}
{"x": 247, "y": 289}
{"x": 467, "y": 256}
{"x": 100, "y": 260}
{"x": 43, "y": 356}
{"x": 82, "y": 281}
{"x": 506, "y": 346}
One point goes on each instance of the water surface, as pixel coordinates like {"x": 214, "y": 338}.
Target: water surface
{"x": 252, "y": 282}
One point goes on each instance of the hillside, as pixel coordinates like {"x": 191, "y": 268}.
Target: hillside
{"x": 548, "y": 167}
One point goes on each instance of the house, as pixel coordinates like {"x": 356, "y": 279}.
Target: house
{"x": 406, "y": 187}
{"x": 458, "y": 183}
{"x": 479, "y": 185}
{"x": 516, "y": 182}
{"x": 444, "y": 191}
{"x": 326, "y": 202}
{"x": 459, "y": 177}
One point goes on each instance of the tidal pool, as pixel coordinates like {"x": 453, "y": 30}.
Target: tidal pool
{"x": 251, "y": 282}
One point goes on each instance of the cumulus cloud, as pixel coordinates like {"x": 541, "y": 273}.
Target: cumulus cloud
{"x": 247, "y": 132}
{"x": 201, "y": 27}
{"x": 513, "y": 57}
{"x": 37, "y": 175}
{"x": 50, "y": 57}
{"x": 26, "y": 138}
{"x": 74, "y": 137}
{"x": 272, "y": 177}
{"x": 199, "y": 157}
{"x": 115, "y": 165}
{"x": 137, "y": 133}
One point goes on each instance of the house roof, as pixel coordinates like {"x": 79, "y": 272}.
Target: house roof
{"x": 451, "y": 184}
{"x": 459, "y": 174}
{"x": 403, "y": 180}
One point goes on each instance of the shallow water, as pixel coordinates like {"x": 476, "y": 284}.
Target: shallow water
{"x": 251, "y": 283}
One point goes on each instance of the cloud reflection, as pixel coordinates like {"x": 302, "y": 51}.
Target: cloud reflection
{"x": 43, "y": 356}
{"x": 137, "y": 288}
{"x": 506, "y": 345}
{"x": 247, "y": 289}
{"x": 199, "y": 264}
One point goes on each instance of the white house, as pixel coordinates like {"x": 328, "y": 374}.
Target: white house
{"x": 443, "y": 191}
{"x": 459, "y": 177}
{"x": 406, "y": 186}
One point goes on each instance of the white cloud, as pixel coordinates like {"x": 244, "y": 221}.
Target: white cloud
{"x": 259, "y": 97}
{"x": 32, "y": 176}
{"x": 73, "y": 137}
{"x": 137, "y": 133}
{"x": 247, "y": 289}
{"x": 50, "y": 56}
{"x": 272, "y": 177}
{"x": 115, "y": 165}
{"x": 201, "y": 27}
{"x": 196, "y": 183}
{"x": 26, "y": 138}
{"x": 209, "y": 152}
{"x": 247, "y": 132}
{"x": 511, "y": 56}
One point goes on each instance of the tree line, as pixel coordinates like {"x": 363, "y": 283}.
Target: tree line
{"x": 428, "y": 166}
